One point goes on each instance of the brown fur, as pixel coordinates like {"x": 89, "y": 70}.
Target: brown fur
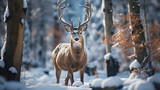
{"x": 69, "y": 58}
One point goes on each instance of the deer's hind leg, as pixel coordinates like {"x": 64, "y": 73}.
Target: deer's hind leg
{"x": 58, "y": 72}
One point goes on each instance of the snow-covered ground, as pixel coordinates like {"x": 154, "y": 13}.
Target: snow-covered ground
{"x": 37, "y": 79}
{"x": 45, "y": 79}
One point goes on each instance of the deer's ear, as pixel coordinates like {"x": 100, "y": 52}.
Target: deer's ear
{"x": 68, "y": 28}
{"x": 84, "y": 27}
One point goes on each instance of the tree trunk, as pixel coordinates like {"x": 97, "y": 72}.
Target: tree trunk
{"x": 112, "y": 68}
{"x": 147, "y": 34}
{"x": 108, "y": 30}
{"x": 148, "y": 61}
{"x": 137, "y": 30}
{"x": 15, "y": 35}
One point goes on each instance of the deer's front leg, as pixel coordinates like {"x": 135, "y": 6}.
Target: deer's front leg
{"x": 81, "y": 72}
{"x": 71, "y": 75}
{"x": 67, "y": 78}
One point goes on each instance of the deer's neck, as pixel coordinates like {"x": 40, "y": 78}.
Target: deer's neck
{"x": 77, "y": 49}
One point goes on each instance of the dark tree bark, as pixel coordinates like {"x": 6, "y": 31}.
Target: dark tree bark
{"x": 112, "y": 66}
{"x": 137, "y": 30}
{"x": 15, "y": 35}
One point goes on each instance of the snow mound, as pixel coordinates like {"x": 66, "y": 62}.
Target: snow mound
{"x": 77, "y": 83}
{"x": 134, "y": 64}
{"x": 141, "y": 85}
{"x": 155, "y": 78}
{"x": 130, "y": 81}
{"x": 134, "y": 75}
{"x": 107, "y": 56}
{"x": 6, "y": 14}
{"x": 2, "y": 64}
{"x": 13, "y": 85}
{"x": 13, "y": 70}
{"x": 96, "y": 83}
{"x": 112, "y": 82}
{"x": 85, "y": 86}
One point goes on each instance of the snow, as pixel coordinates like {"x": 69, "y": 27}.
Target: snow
{"x": 13, "y": 70}
{"x": 36, "y": 79}
{"x": 25, "y": 4}
{"x": 130, "y": 81}
{"x": 134, "y": 64}
{"x": 3, "y": 50}
{"x": 137, "y": 84}
{"x": 6, "y": 14}
{"x": 77, "y": 83}
{"x": 155, "y": 78}
{"x": 141, "y": 85}
{"x": 134, "y": 75}
{"x": 2, "y": 64}
{"x": 113, "y": 54}
{"x": 96, "y": 83}
{"x": 112, "y": 82}
{"x": 13, "y": 85}
{"x": 22, "y": 21}
{"x": 85, "y": 86}
{"x": 49, "y": 87}
{"x": 107, "y": 56}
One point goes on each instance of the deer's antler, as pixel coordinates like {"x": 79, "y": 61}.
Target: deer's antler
{"x": 59, "y": 13}
{"x": 88, "y": 16}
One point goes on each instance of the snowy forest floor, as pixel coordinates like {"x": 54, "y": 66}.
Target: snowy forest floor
{"x": 37, "y": 79}
{"x": 45, "y": 79}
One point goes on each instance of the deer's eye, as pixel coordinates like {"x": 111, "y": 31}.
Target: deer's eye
{"x": 80, "y": 32}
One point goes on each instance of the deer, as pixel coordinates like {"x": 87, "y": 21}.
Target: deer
{"x": 71, "y": 57}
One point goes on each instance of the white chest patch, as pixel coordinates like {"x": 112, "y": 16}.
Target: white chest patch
{"x": 77, "y": 45}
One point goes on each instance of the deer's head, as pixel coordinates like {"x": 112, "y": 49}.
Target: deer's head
{"x": 76, "y": 32}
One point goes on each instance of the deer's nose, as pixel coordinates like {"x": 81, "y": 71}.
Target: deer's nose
{"x": 76, "y": 39}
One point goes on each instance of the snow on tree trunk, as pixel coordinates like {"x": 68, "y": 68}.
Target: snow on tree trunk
{"x": 14, "y": 39}
{"x": 2, "y": 24}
